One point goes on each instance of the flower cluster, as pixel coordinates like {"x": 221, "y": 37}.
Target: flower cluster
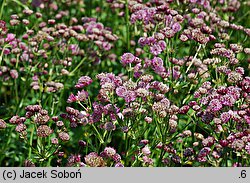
{"x": 221, "y": 108}
{"x": 100, "y": 35}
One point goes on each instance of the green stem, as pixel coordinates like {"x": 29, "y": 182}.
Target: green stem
{"x": 30, "y": 142}
{"x": 82, "y": 106}
{"x": 6, "y": 46}
{"x": 81, "y": 62}
{"x": 21, "y": 4}
{"x": 32, "y": 148}
{"x": 196, "y": 54}
{"x": 2, "y": 7}
{"x": 127, "y": 24}
{"x": 16, "y": 92}
{"x": 99, "y": 135}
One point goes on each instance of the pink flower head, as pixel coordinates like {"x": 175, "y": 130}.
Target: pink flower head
{"x": 3, "y": 29}
{"x": 169, "y": 20}
{"x": 121, "y": 90}
{"x": 162, "y": 44}
{"x": 151, "y": 40}
{"x": 127, "y": 58}
{"x": 10, "y": 37}
{"x": 2, "y": 24}
{"x": 109, "y": 151}
{"x": 227, "y": 100}
{"x": 247, "y": 119}
{"x": 129, "y": 96}
{"x": 204, "y": 152}
{"x": 160, "y": 70}
{"x": 142, "y": 41}
{"x": 119, "y": 164}
{"x": 157, "y": 62}
{"x": 155, "y": 49}
{"x": 82, "y": 95}
{"x": 245, "y": 84}
{"x": 176, "y": 27}
{"x": 14, "y": 74}
{"x": 146, "y": 151}
{"x": 72, "y": 98}
{"x": 215, "y": 105}
{"x": 6, "y": 51}
{"x": 225, "y": 117}
{"x": 83, "y": 81}
{"x": 106, "y": 46}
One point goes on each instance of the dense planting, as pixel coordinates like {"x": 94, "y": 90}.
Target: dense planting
{"x": 124, "y": 83}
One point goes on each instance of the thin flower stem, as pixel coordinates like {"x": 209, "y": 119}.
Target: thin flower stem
{"x": 21, "y": 4}
{"x": 82, "y": 106}
{"x": 36, "y": 151}
{"x": 136, "y": 160}
{"x": 127, "y": 24}
{"x": 30, "y": 141}
{"x": 16, "y": 91}
{"x": 81, "y": 62}
{"x": 99, "y": 135}
{"x": 196, "y": 54}
{"x": 2, "y": 7}
{"x": 1, "y": 56}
